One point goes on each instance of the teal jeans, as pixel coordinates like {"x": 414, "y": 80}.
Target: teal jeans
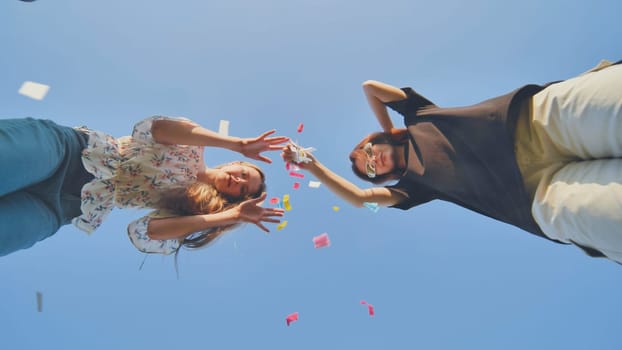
{"x": 41, "y": 177}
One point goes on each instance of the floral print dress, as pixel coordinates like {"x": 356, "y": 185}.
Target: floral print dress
{"x": 131, "y": 171}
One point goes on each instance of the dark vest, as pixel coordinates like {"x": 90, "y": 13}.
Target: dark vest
{"x": 466, "y": 156}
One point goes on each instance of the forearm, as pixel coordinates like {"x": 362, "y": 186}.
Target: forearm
{"x": 180, "y": 132}
{"x": 377, "y": 95}
{"x": 181, "y": 226}
{"x": 380, "y": 111}
{"x": 337, "y": 184}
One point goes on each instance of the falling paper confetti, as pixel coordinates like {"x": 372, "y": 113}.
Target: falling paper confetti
{"x": 281, "y": 225}
{"x": 292, "y": 166}
{"x": 291, "y": 318}
{"x": 321, "y": 241}
{"x": 373, "y": 206}
{"x": 223, "y": 128}
{"x": 39, "y": 302}
{"x": 335, "y": 208}
{"x": 300, "y": 127}
{"x": 300, "y": 153}
{"x": 295, "y": 174}
{"x": 286, "y": 204}
{"x": 370, "y": 308}
{"x": 296, "y": 185}
{"x": 314, "y": 184}
{"x": 34, "y": 90}
{"x": 275, "y": 200}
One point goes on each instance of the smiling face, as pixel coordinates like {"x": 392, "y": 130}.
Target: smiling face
{"x": 238, "y": 180}
{"x": 379, "y": 157}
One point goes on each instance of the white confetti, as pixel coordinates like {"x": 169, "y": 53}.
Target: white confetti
{"x": 34, "y": 90}
{"x": 314, "y": 184}
{"x": 223, "y": 128}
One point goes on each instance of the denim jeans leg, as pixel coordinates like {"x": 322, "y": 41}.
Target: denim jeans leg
{"x": 30, "y": 151}
{"x": 24, "y": 221}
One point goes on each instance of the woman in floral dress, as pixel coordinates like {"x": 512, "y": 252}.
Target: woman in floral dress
{"x": 52, "y": 175}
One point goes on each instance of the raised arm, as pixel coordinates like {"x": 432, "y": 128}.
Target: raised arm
{"x": 377, "y": 94}
{"x": 248, "y": 211}
{"x": 181, "y": 132}
{"x": 344, "y": 188}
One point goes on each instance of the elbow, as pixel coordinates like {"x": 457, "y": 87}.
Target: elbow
{"x": 369, "y": 85}
{"x": 358, "y": 200}
{"x": 158, "y": 131}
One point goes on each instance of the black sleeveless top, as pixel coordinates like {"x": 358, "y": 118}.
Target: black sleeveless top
{"x": 466, "y": 156}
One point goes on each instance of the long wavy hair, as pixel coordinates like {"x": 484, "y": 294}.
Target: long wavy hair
{"x": 398, "y": 137}
{"x": 201, "y": 198}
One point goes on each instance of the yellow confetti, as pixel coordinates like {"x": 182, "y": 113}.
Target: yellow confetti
{"x": 335, "y": 208}
{"x": 281, "y": 225}
{"x": 286, "y": 204}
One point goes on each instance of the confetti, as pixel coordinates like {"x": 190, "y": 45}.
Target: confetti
{"x": 281, "y": 225}
{"x": 370, "y": 308}
{"x": 373, "y": 206}
{"x": 275, "y": 200}
{"x": 291, "y": 318}
{"x": 286, "y": 204}
{"x": 291, "y": 166}
{"x": 295, "y": 174}
{"x": 34, "y": 90}
{"x": 314, "y": 184}
{"x": 321, "y": 241}
{"x": 223, "y": 128}
{"x": 296, "y": 185}
{"x": 335, "y": 208}
{"x": 300, "y": 153}
{"x": 300, "y": 127}
{"x": 39, "y": 301}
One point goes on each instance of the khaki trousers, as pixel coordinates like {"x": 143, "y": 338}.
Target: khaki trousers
{"x": 569, "y": 151}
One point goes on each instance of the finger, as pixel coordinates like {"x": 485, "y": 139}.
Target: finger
{"x": 272, "y": 216}
{"x": 275, "y": 147}
{"x": 275, "y": 221}
{"x": 267, "y": 133}
{"x": 261, "y": 226}
{"x": 264, "y": 159}
{"x": 278, "y": 139}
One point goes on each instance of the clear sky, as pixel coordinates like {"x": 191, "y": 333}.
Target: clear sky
{"x": 439, "y": 276}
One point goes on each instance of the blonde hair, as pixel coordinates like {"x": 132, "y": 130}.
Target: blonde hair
{"x": 201, "y": 198}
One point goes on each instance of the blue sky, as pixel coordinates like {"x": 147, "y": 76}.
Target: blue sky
{"x": 439, "y": 276}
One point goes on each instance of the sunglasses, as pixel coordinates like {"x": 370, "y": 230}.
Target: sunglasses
{"x": 370, "y": 163}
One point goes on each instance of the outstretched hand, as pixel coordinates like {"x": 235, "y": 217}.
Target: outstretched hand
{"x": 252, "y": 147}
{"x": 251, "y": 211}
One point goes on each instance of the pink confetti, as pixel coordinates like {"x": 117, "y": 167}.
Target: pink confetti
{"x": 370, "y": 307}
{"x": 274, "y": 200}
{"x": 300, "y": 127}
{"x": 295, "y": 174}
{"x": 296, "y": 185}
{"x": 291, "y": 318}
{"x": 291, "y": 166}
{"x": 321, "y": 241}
